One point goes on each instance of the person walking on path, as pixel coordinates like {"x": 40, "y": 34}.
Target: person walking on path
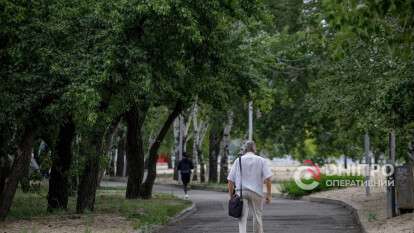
{"x": 254, "y": 173}
{"x": 185, "y": 166}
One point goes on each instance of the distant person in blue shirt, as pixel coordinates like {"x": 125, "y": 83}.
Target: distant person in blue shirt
{"x": 185, "y": 166}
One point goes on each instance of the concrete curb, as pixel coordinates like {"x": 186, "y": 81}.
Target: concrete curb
{"x": 198, "y": 187}
{"x": 115, "y": 179}
{"x": 347, "y": 206}
{"x": 180, "y": 216}
{"x": 285, "y": 196}
{"x": 183, "y": 214}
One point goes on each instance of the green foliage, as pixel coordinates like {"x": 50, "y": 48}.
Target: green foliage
{"x": 326, "y": 182}
{"x": 372, "y": 217}
{"x": 340, "y": 69}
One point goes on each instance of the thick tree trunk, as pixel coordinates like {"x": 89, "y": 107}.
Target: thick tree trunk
{"x": 93, "y": 142}
{"x": 225, "y": 144}
{"x": 25, "y": 180}
{"x": 153, "y": 153}
{"x": 59, "y": 176}
{"x": 134, "y": 151}
{"x": 21, "y": 162}
{"x": 214, "y": 150}
{"x": 4, "y": 171}
{"x": 92, "y": 149}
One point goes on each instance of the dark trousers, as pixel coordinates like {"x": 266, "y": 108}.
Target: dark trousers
{"x": 185, "y": 178}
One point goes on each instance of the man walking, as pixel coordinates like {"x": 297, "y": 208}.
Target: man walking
{"x": 254, "y": 173}
{"x": 185, "y": 166}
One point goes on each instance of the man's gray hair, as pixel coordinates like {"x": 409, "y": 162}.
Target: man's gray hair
{"x": 249, "y": 146}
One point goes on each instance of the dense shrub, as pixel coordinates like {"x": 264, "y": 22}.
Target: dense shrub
{"x": 326, "y": 182}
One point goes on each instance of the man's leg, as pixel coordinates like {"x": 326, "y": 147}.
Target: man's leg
{"x": 257, "y": 210}
{"x": 185, "y": 182}
{"x": 245, "y": 214}
{"x": 185, "y": 188}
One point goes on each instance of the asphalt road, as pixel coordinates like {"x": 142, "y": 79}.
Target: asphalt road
{"x": 287, "y": 216}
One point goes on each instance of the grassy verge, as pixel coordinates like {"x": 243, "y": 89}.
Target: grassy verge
{"x": 141, "y": 213}
{"x": 325, "y": 183}
{"x": 218, "y": 187}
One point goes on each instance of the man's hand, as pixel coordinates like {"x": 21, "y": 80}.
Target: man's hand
{"x": 230, "y": 186}
{"x": 268, "y": 198}
{"x": 268, "y": 183}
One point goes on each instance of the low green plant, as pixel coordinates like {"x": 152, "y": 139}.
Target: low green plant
{"x": 372, "y": 217}
{"x": 326, "y": 182}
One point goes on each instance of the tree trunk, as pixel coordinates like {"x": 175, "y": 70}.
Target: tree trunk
{"x": 120, "y": 156}
{"x": 108, "y": 145}
{"x": 5, "y": 165}
{"x": 153, "y": 153}
{"x": 25, "y": 179}
{"x": 199, "y": 131}
{"x": 345, "y": 162}
{"x": 214, "y": 150}
{"x": 202, "y": 166}
{"x": 176, "y": 132}
{"x": 196, "y": 133}
{"x": 92, "y": 148}
{"x": 21, "y": 162}
{"x": 185, "y": 127}
{"x": 410, "y": 151}
{"x": 134, "y": 151}
{"x": 225, "y": 148}
{"x": 59, "y": 176}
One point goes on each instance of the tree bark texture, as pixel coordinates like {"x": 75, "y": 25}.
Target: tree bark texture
{"x": 225, "y": 144}
{"x": 153, "y": 153}
{"x": 176, "y": 133}
{"x": 20, "y": 164}
{"x": 214, "y": 151}
{"x": 120, "y": 156}
{"x": 134, "y": 151}
{"x": 59, "y": 176}
{"x": 92, "y": 150}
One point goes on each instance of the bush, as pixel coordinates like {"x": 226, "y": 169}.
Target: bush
{"x": 325, "y": 183}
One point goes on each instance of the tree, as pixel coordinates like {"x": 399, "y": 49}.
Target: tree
{"x": 59, "y": 176}
{"x": 28, "y": 80}
{"x": 225, "y": 148}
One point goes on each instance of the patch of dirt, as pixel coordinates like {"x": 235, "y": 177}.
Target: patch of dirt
{"x": 103, "y": 223}
{"x": 372, "y": 209}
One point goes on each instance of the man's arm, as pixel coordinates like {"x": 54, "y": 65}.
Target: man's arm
{"x": 231, "y": 179}
{"x": 230, "y": 186}
{"x": 268, "y": 183}
{"x": 267, "y": 174}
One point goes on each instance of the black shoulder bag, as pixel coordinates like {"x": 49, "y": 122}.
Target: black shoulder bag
{"x": 236, "y": 202}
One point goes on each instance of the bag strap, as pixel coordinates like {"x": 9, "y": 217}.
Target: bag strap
{"x": 241, "y": 177}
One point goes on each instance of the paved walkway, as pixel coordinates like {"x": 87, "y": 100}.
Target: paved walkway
{"x": 287, "y": 216}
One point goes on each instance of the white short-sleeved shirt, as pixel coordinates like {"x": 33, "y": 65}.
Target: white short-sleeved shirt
{"x": 255, "y": 171}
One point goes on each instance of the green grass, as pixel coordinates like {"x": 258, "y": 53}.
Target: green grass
{"x": 142, "y": 213}
{"x": 326, "y": 183}
{"x": 219, "y": 187}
